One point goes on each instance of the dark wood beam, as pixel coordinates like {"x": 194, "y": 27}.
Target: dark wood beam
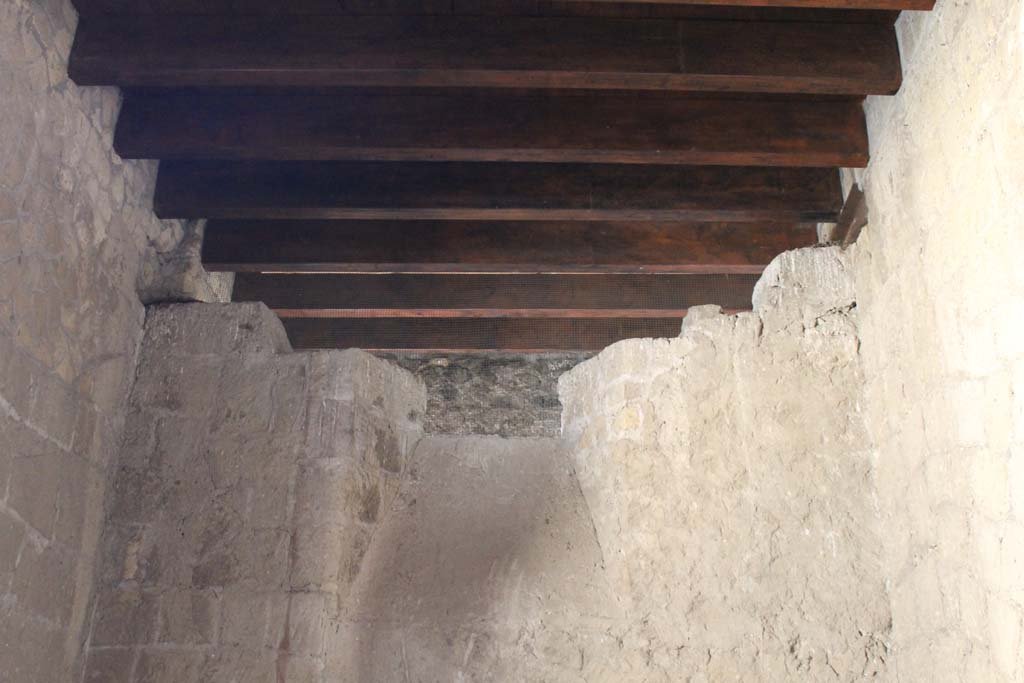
{"x": 638, "y": 128}
{"x": 497, "y": 247}
{"x": 494, "y": 191}
{"x": 776, "y": 10}
{"x": 492, "y": 296}
{"x": 473, "y": 334}
{"x": 503, "y": 52}
{"x": 806, "y": 4}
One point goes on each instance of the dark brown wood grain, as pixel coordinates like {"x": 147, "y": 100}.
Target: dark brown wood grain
{"x": 632, "y": 128}
{"x": 749, "y": 10}
{"x": 476, "y": 175}
{"x": 473, "y": 334}
{"x": 496, "y": 247}
{"x": 504, "y": 295}
{"x": 503, "y": 52}
{"x": 493, "y": 191}
{"x": 830, "y": 4}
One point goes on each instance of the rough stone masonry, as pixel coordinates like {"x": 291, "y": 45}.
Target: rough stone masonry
{"x": 79, "y": 246}
{"x": 701, "y": 521}
{"x": 250, "y": 482}
{"x": 278, "y": 516}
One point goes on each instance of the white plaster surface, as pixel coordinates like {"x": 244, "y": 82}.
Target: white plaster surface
{"x": 940, "y": 295}
{"x": 729, "y": 481}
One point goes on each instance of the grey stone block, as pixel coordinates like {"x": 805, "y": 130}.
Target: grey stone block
{"x": 240, "y": 476}
{"x": 12, "y": 535}
{"x": 54, "y": 409}
{"x": 244, "y": 620}
{"x": 802, "y": 285}
{"x": 112, "y": 665}
{"x": 178, "y": 275}
{"x": 194, "y": 329}
{"x": 187, "y": 618}
{"x": 80, "y": 483}
{"x": 16, "y": 376}
{"x": 44, "y": 582}
{"x": 165, "y": 666}
{"x": 308, "y": 615}
{"x": 125, "y": 617}
{"x": 502, "y": 394}
{"x": 35, "y": 482}
{"x": 239, "y": 664}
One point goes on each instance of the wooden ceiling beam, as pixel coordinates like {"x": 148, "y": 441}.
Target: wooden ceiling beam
{"x": 500, "y": 52}
{"x": 497, "y": 126}
{"x": 840, "y": 10}
{"x": 496, "y": 247}
{"x": 493, "y": 191}
{"x": 473, "y": 334}
{"x": 803, "y": 4}
{"x": 492, "y": 296}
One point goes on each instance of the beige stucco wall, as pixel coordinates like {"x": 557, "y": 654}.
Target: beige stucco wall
{"x": 728, "y": 476}
{"x": 940, "y": 292}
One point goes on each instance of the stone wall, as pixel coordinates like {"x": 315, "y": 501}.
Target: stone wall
{"x": 502, "y": 394}
{"x": 77, "y": 241}
{"x": 247, "y": 491}
{"x": 485, "y": 569}
{"x": 891, "y": 436}
{"x": 728, "y": 477}
{"x": 940, "y": 292}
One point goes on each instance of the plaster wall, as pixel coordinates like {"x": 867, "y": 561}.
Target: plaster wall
{"x": 248, "y": 488}
{"x": 728, "y": 476}
{"x": 940, "y": 295}
{"x": 77, "y": 243}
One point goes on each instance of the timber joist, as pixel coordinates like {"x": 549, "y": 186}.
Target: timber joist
{"x": 493, "y": 174}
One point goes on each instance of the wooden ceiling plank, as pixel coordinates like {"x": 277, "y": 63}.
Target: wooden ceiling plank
{"x": 494, "y": 191}
{"x": 473, "y": 334}
{"x": 500, "y": 52}
{"x": 804, "y": 4}
{"x": 841, "y": 10}
{"x": 504, "y": 295}
{"x": 496, "y": 126}
{"x": 496, "y": 247}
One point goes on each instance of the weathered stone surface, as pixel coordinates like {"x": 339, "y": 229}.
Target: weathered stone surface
{"x": 802, "y": 286}
{"x": 125, "y": 617}
{"x": 725, "y": 473}
{"x": 194, "y": 330}
{"x": 502, "y": 394}
{"x": 486, "y": 569}
{"x": 940, "y": 300}
{"x": 241, "y": 509}
{"x": 178, "y": 275}
{"x": 112, "y": 665}
{"x": 77, "y": 242}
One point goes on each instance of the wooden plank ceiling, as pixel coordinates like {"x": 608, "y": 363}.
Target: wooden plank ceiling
{"x": 529, "y": 175}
